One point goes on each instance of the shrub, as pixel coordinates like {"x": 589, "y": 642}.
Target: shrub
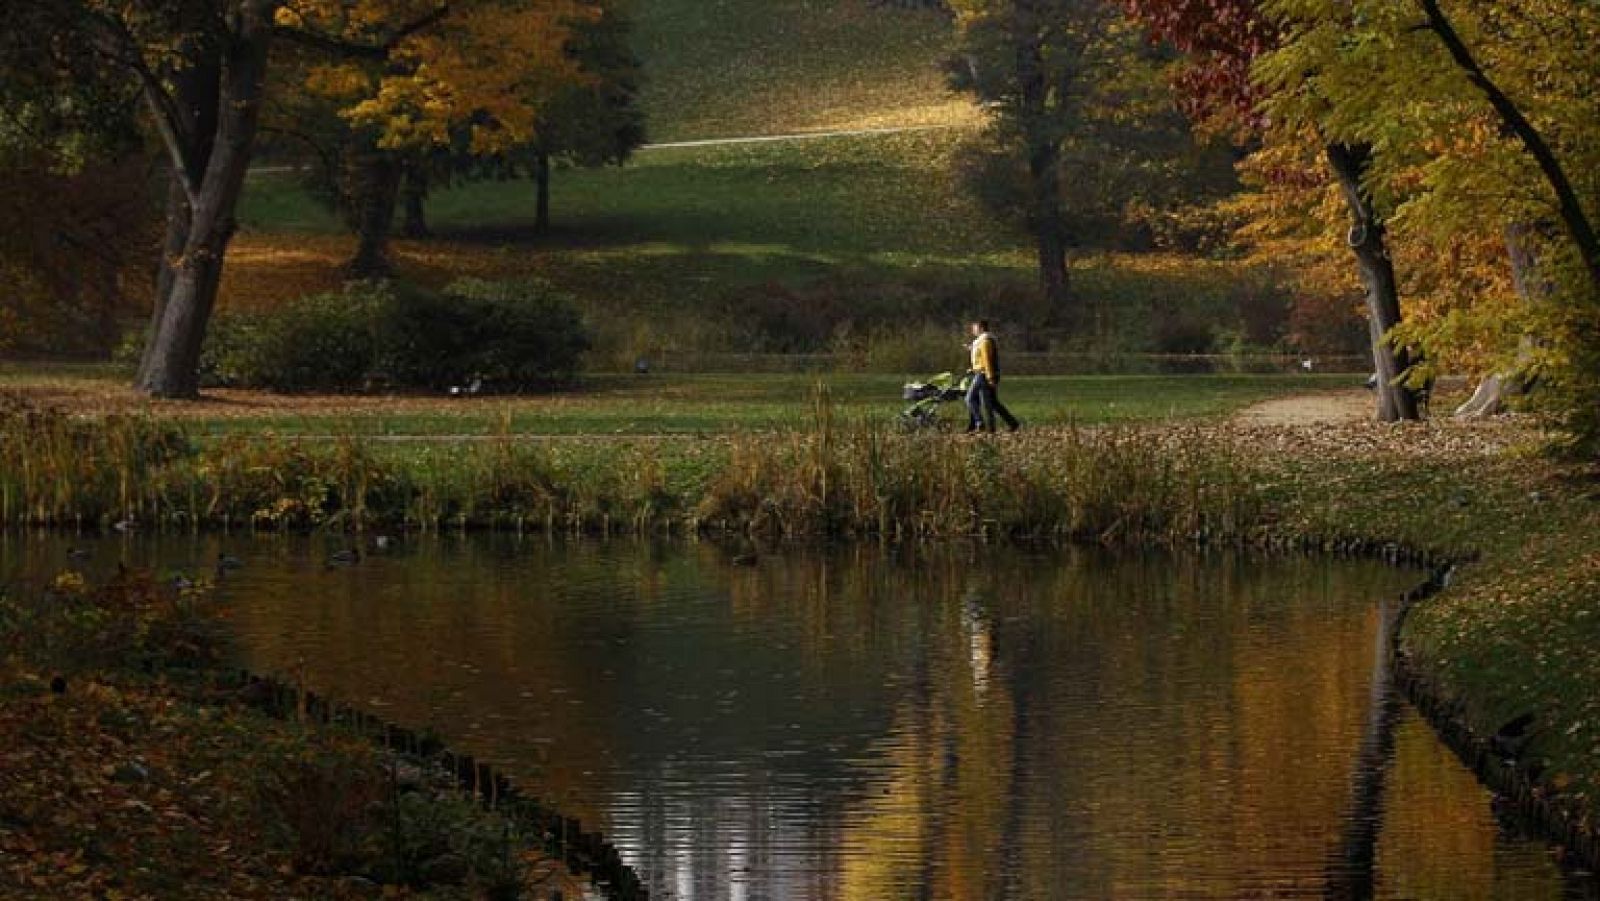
{"x": 510, "y": 335}
{"x": 321, "y": 342}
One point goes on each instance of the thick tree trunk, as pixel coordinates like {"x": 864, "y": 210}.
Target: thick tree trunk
{"x": 174, "y": 365}
{"x": 1491, "y": 395}
{"x": 198, "y": 92}
{"x": 1368, "y": 242}
{"x": 541, "y": 178}
{"x": 172, "y": 360}
{"x": 1044, "y": 170}
{"x": 177, "y": 235}
{"x": 377, "y": 188}
{"x": 1053, "y": 276}
{"x": 415, "y": 194}
{"x": 1489, "y": 398}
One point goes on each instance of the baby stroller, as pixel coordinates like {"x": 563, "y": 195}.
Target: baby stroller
{"x": 926, "y": 398}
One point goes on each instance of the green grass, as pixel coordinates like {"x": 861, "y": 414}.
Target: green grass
{"x": 685, "y": 249}
{"x": 603, "y": 404}
{"x": 721, "y": 68}
{"x": 683, "y": 229}
{"x": 719, "y": 404}
{"x": 825, "y": 201}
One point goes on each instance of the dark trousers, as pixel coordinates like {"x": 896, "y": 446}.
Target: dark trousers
{"x": 983, "y": 404}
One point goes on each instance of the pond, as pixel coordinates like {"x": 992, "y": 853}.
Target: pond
{"x": 951, "y": 722}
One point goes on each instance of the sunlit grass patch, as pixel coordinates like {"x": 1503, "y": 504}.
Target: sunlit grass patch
{"x": 744, "y": 67}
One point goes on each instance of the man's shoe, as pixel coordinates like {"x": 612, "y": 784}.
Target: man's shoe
{"x": 1013, "y": 426}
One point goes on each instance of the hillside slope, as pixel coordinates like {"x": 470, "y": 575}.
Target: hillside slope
{"x": 724, "y": 68}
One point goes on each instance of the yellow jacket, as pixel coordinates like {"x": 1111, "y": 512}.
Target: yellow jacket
{"x": 986, "y": 358}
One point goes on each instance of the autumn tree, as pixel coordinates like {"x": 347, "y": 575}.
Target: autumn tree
{"x": 79, "y": 230}
{"x": 1488, "y": 166}
{"x": 202, "y": 67}
{"x": 1226, "y": 41}
{"x": 476, "y": 88}
{"x": 591, "y": 118}
{"x": 1039, "y": 65}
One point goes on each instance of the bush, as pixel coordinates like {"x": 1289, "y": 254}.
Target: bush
{"x": 322, "y": 342}
{"x": 508, "y": 335}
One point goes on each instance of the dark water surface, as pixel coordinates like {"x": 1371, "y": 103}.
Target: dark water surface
{"x": 856, "y": 723}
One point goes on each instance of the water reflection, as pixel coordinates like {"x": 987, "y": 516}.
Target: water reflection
{"x": 955, "y": 723}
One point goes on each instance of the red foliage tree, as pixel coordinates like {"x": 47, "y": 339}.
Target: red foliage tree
{"x": 1220, "y": 39}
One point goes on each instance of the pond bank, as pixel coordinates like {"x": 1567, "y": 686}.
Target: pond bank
{"x": 136, "y": 766}
{"x": 1513, "y": 641}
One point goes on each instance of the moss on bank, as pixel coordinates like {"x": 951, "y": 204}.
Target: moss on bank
{"x": 1517, "y": 632}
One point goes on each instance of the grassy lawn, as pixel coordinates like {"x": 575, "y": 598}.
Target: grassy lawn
{"x": 745, "y": 67}
{"x": 670, "y": 404}
{"x": 686, "y": 250}
{"x": 685, "y": 219}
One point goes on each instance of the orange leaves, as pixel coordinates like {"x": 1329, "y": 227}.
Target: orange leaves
{"x": 482, "y": 70}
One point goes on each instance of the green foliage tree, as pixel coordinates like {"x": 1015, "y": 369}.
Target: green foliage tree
{"x": 202, "y": 69}
{"x": 78, "y": 223}
{"x": 1038, "y": 66}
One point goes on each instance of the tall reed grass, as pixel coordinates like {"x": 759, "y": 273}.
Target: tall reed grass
{"x": 861, "y": 478}
{"x": 829, "y": 477}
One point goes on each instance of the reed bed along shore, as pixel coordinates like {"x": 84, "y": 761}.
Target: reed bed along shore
{"x": 828, "y": 477}
{"x": 1513, "y": 639}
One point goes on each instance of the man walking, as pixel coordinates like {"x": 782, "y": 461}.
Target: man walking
{"x": 983, "y": 397}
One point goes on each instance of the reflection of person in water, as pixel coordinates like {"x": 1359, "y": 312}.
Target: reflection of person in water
{"x": 980, "y": 643}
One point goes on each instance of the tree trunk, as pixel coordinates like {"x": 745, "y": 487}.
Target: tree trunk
{"x": 541, "y": 177}
{"x": 172, "y": 359}
{"x": 377, "y": 188}
{"x": 1044, "y": 169}
{"x": 175, "y": 348}
{"x": 1367, "y": 241}
{"x": 1489, "y": 399}
{"x": 415, "y": 194}
{"x": 177, "y": 235}
{"x": 1053, "y": 269}
{"x": 198, "y": 91}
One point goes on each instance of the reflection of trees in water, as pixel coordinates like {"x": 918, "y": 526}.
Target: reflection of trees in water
{"x": 976, "y": 722}
{"x": 1352, "y": 869}
{"x": 1117, "y": 724}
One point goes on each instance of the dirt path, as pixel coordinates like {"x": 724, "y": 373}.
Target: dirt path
{"x": 1322, "y": 408}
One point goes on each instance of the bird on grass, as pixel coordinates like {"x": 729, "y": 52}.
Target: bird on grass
{"x": 228, "y": 563}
